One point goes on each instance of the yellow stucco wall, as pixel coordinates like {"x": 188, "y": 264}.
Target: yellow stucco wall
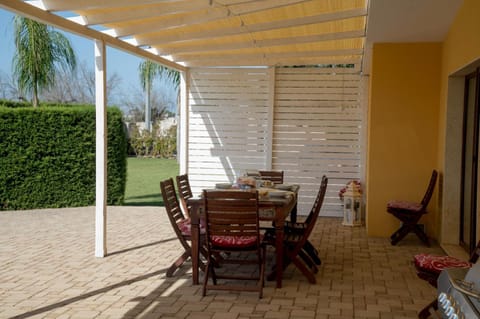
{"x": 407, "y": 118}
{"x": 462, "y": 45}
{"x": 460, "y": 48}
{"x": 402, "y": 129}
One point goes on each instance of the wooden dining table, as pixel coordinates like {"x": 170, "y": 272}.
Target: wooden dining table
{"x": 272, "y": 208}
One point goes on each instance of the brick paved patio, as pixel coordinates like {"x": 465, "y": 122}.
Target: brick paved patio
{"x": 48, "y": 270}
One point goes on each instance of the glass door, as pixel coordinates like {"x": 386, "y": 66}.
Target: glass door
{"x": 468, "y": 212}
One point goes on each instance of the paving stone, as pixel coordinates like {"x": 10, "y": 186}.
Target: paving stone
{"x": 48, "y": 270}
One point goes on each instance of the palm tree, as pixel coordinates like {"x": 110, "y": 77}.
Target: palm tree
{"x": 148, "y": 71}
{"x": 40, "y": 50}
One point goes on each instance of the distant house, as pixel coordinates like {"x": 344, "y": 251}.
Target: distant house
{"x": 163, "y": 126}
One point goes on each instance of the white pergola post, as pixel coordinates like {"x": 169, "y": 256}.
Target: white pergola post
{"x": 101, "y": 149}
{"x": 182, "y": 144}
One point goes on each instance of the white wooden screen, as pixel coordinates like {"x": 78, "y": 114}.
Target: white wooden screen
{"x": 228, "y": 111}
{"x": 317, "y": 130}
{"x": 316, "y": 127}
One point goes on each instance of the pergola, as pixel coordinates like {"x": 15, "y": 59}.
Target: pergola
{"x": 181, "y": 34}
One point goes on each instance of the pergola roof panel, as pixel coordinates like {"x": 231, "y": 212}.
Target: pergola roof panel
{"x": 225, "y": 32}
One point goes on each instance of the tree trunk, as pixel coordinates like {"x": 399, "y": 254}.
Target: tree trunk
{"x": 148, "y": 111}
{"x": 35, "y": 96}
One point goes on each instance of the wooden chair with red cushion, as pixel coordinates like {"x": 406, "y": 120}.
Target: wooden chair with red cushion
{"x": 296, "y": 243}
{"x": 430, "y": 266}
{"x": 409, "y": 213}
{"x": 232, "y": 230}
{"x": 180, "y": 224}
{"x": 298, "y": 249}
{"x": 300, "y": 227}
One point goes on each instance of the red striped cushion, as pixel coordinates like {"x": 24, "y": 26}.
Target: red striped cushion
{"x": 234, "y": 241}
{"x": 436, "y": 264}
{"x": 186, "y": 227}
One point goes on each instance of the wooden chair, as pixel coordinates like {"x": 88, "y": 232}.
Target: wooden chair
{"x": 232, "y": 229}
{"x": 275, "y": 176}
{"x": 181, "y": 225}
{"x": 300, "y": 228}
{"x": 297, "y": 246}
{"x": 430, "y": 266}
{"x": 184, "y": 192}
{"x": 409, "y": 213}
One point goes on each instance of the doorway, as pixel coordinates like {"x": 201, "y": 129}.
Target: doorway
{"x": 470, "y": 178}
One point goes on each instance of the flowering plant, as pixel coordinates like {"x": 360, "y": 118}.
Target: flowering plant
{"x": 344, "y": 189}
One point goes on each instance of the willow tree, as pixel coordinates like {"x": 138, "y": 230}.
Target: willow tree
{"x": 40, "y": 50}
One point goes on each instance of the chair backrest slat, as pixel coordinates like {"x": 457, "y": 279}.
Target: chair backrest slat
{"x": 275, "y": 176}
{"x": 231, "y": 213}
{"x": 429, "y": 192}
{"x": 172, "y": 206}
{"x": 184, "y": 191}
{"x": 317, "y": 205}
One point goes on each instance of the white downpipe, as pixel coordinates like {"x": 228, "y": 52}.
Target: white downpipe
{"x": 271, "y": 105}
{"x": 100, "y": 150}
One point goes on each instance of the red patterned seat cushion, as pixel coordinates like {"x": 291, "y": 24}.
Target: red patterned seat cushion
{"x": 234, "y": 241}
{"x": 436, "y": 264}
{"x": 396, "y": 204}
{"x": 186, "y": 227}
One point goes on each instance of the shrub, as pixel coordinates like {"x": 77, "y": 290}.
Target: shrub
{"x": 153, "y": 144}
{"x": 47, "y": 157}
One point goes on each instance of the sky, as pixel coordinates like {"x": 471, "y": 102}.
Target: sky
{"x": 124, "y": 64}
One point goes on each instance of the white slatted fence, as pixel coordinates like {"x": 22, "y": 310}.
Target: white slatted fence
{"x": 317, "y": 127}
{"x": 317, "y": 130}
{"x": 228, "y": 124}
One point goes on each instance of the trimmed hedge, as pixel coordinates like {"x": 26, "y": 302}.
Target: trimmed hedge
{"x": 47, "y": 157}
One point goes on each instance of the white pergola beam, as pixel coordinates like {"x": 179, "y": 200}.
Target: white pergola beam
{"x": 276, "y": 62}
{"x": 246, "y": 29}
{"x": 140, "y": 13}
{"x": 271, "y": 56}
{"x": 202, "y": 16}
{"x": 199, "y": 48}
{"x": 198, "y": 14}
{"x": 63, "y": 5}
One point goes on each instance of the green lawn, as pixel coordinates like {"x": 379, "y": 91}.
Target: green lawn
{"x": 143, "y": 180}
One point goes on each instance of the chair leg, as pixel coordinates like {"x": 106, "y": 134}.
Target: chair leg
{"x": 399, "y": 234}
{"x": 421, "y": 234}
{"x": 312, "y": 252}
{"x": 307, "y": 273}
{"x": 405, "y": 230}
{"x": 286, "y": 261}
{"x": 209, "y": 270}
{"x": 425, "y": 312}
{"x": 261, "y": 279}
{"x": 178, "y": 263}
{"x": 308, "y": 261}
